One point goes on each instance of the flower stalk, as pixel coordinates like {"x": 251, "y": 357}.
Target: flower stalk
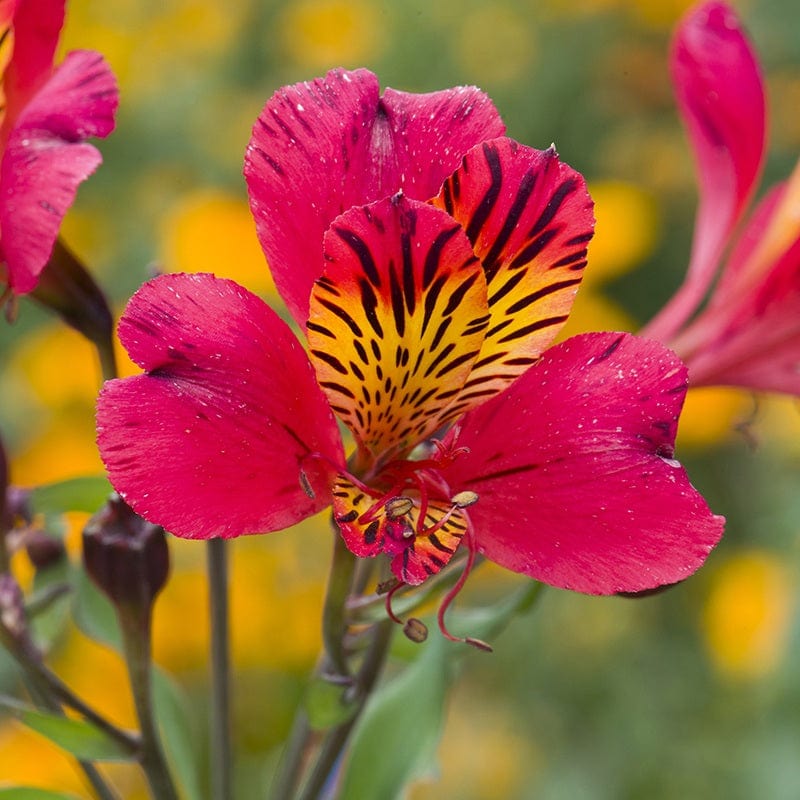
{"x": 221, "y": 733}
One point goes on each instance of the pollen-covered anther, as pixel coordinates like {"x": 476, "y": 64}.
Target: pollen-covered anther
{"x": 398, "y": 507}
{"x": 464, "y": 499}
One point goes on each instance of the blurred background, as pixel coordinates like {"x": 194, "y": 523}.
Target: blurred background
{"x": 692, "y": 693}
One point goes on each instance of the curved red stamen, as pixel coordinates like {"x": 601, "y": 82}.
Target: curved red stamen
{"x": 451, "y": 595}
{"x": 389, "y": 612}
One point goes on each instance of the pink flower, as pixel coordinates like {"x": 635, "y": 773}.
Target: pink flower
{"x": 432, "y": 267}
{"x": 748, "y": 333}
{"x": 48, "y": 114}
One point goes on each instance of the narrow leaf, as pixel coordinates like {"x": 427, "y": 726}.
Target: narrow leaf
{"x": 76, "y": 494}
{"x": 78, "y": 737}
{"x": 178, "y": 733}
{"x": 398, "y": 734}
{"x": 94, "y": 614}
{"x": 32, "y": 793}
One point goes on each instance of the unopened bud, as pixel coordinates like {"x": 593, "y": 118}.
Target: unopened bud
{"x": 125, "y": 556}
{"x": 43, "y": 550}
{"x": 416, "y": 630}
{"x": 464, "y": 499}
{"x": 66, "y": 288}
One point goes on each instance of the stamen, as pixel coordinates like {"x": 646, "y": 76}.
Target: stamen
{"x": 397, "y": 507}
{"x": 389, "y": 595}
{"x": 415, "y": 630}
{"x": 464, "y": 499}
{"x": 451, "y": 595}
{"x": 306, "y": 484}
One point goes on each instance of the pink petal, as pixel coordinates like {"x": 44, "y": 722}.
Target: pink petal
{"x": 720, "y": 95}
{"x": 749, "y": 335}
{"x": 211, "y": 441}
{"x": 45, "y": 160}
{"x": 37, "y": 25}
{"x": 322, "y": 147}
{"x": 573, "y": 467}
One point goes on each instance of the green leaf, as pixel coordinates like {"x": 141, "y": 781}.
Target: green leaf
{"x": 32, "y": 793}
{"x": 396, "y": 738}
{"x": 81, "y": 738}
{"x": 94, "y": 614}
{"x": 50, "y": 620}
{"x": 326, "y": 704}
{"x": 177, "y": 733}
{"x": 77, "y": 494}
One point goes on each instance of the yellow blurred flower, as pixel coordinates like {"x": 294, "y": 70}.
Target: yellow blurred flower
{"x": 747, "y": 614}
{"x": 320, "y": 34}
{"x": 778, "y": 423}
{"x": 495, "y": 44}
{"x": 626, "y": 232}
{"x": 711, "y": 414}
{"x": 212, "y": 231}
{"x": 28, "y": 759}
{"x": 593, "y": 312}
{"x": 276, "y": 600}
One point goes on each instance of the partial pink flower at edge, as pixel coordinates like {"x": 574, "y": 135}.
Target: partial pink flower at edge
{"x": 720, "y": 94}
{"x": 50, "y": 114}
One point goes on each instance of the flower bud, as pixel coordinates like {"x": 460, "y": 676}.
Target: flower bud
{"x": 43, "y": 550}
{"x": 125, "y": 556}
{"x": 66, "y": 288}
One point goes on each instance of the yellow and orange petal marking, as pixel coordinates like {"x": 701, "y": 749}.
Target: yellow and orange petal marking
{"x": 396, "y": 321}
{"x": 6, "y": 47}
{"x": 529, "y": 218}
{"x": 422, "y": 534}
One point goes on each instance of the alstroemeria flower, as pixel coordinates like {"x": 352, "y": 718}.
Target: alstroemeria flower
{"x": 47, "y": 114}
{"x": 428, "y": 322}
{"x": 748, "y": 334}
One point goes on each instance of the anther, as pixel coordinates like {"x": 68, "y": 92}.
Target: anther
{"x": 464, "y": 499}
{"x": 479, "y": 644}
{"x": 398, "y": 507}
{"x": 415, "y": 630}
{"x": 387, "y": 586}
{"x": 306, "y": 485}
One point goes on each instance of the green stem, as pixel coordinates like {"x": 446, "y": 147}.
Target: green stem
{"x": 288, "y": 772}
{"x": 135, "y": 625}
{"x": 221, "y": 752}
{"x": 108, "y": 359}
{"x": 337, "y": 737}
{"x": 334, "y": 613}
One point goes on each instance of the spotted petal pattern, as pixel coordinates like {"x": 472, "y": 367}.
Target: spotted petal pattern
{"x": 396, "y": 320}
{"x": 418, "y": 552}
{"x": 529, "y": 218}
